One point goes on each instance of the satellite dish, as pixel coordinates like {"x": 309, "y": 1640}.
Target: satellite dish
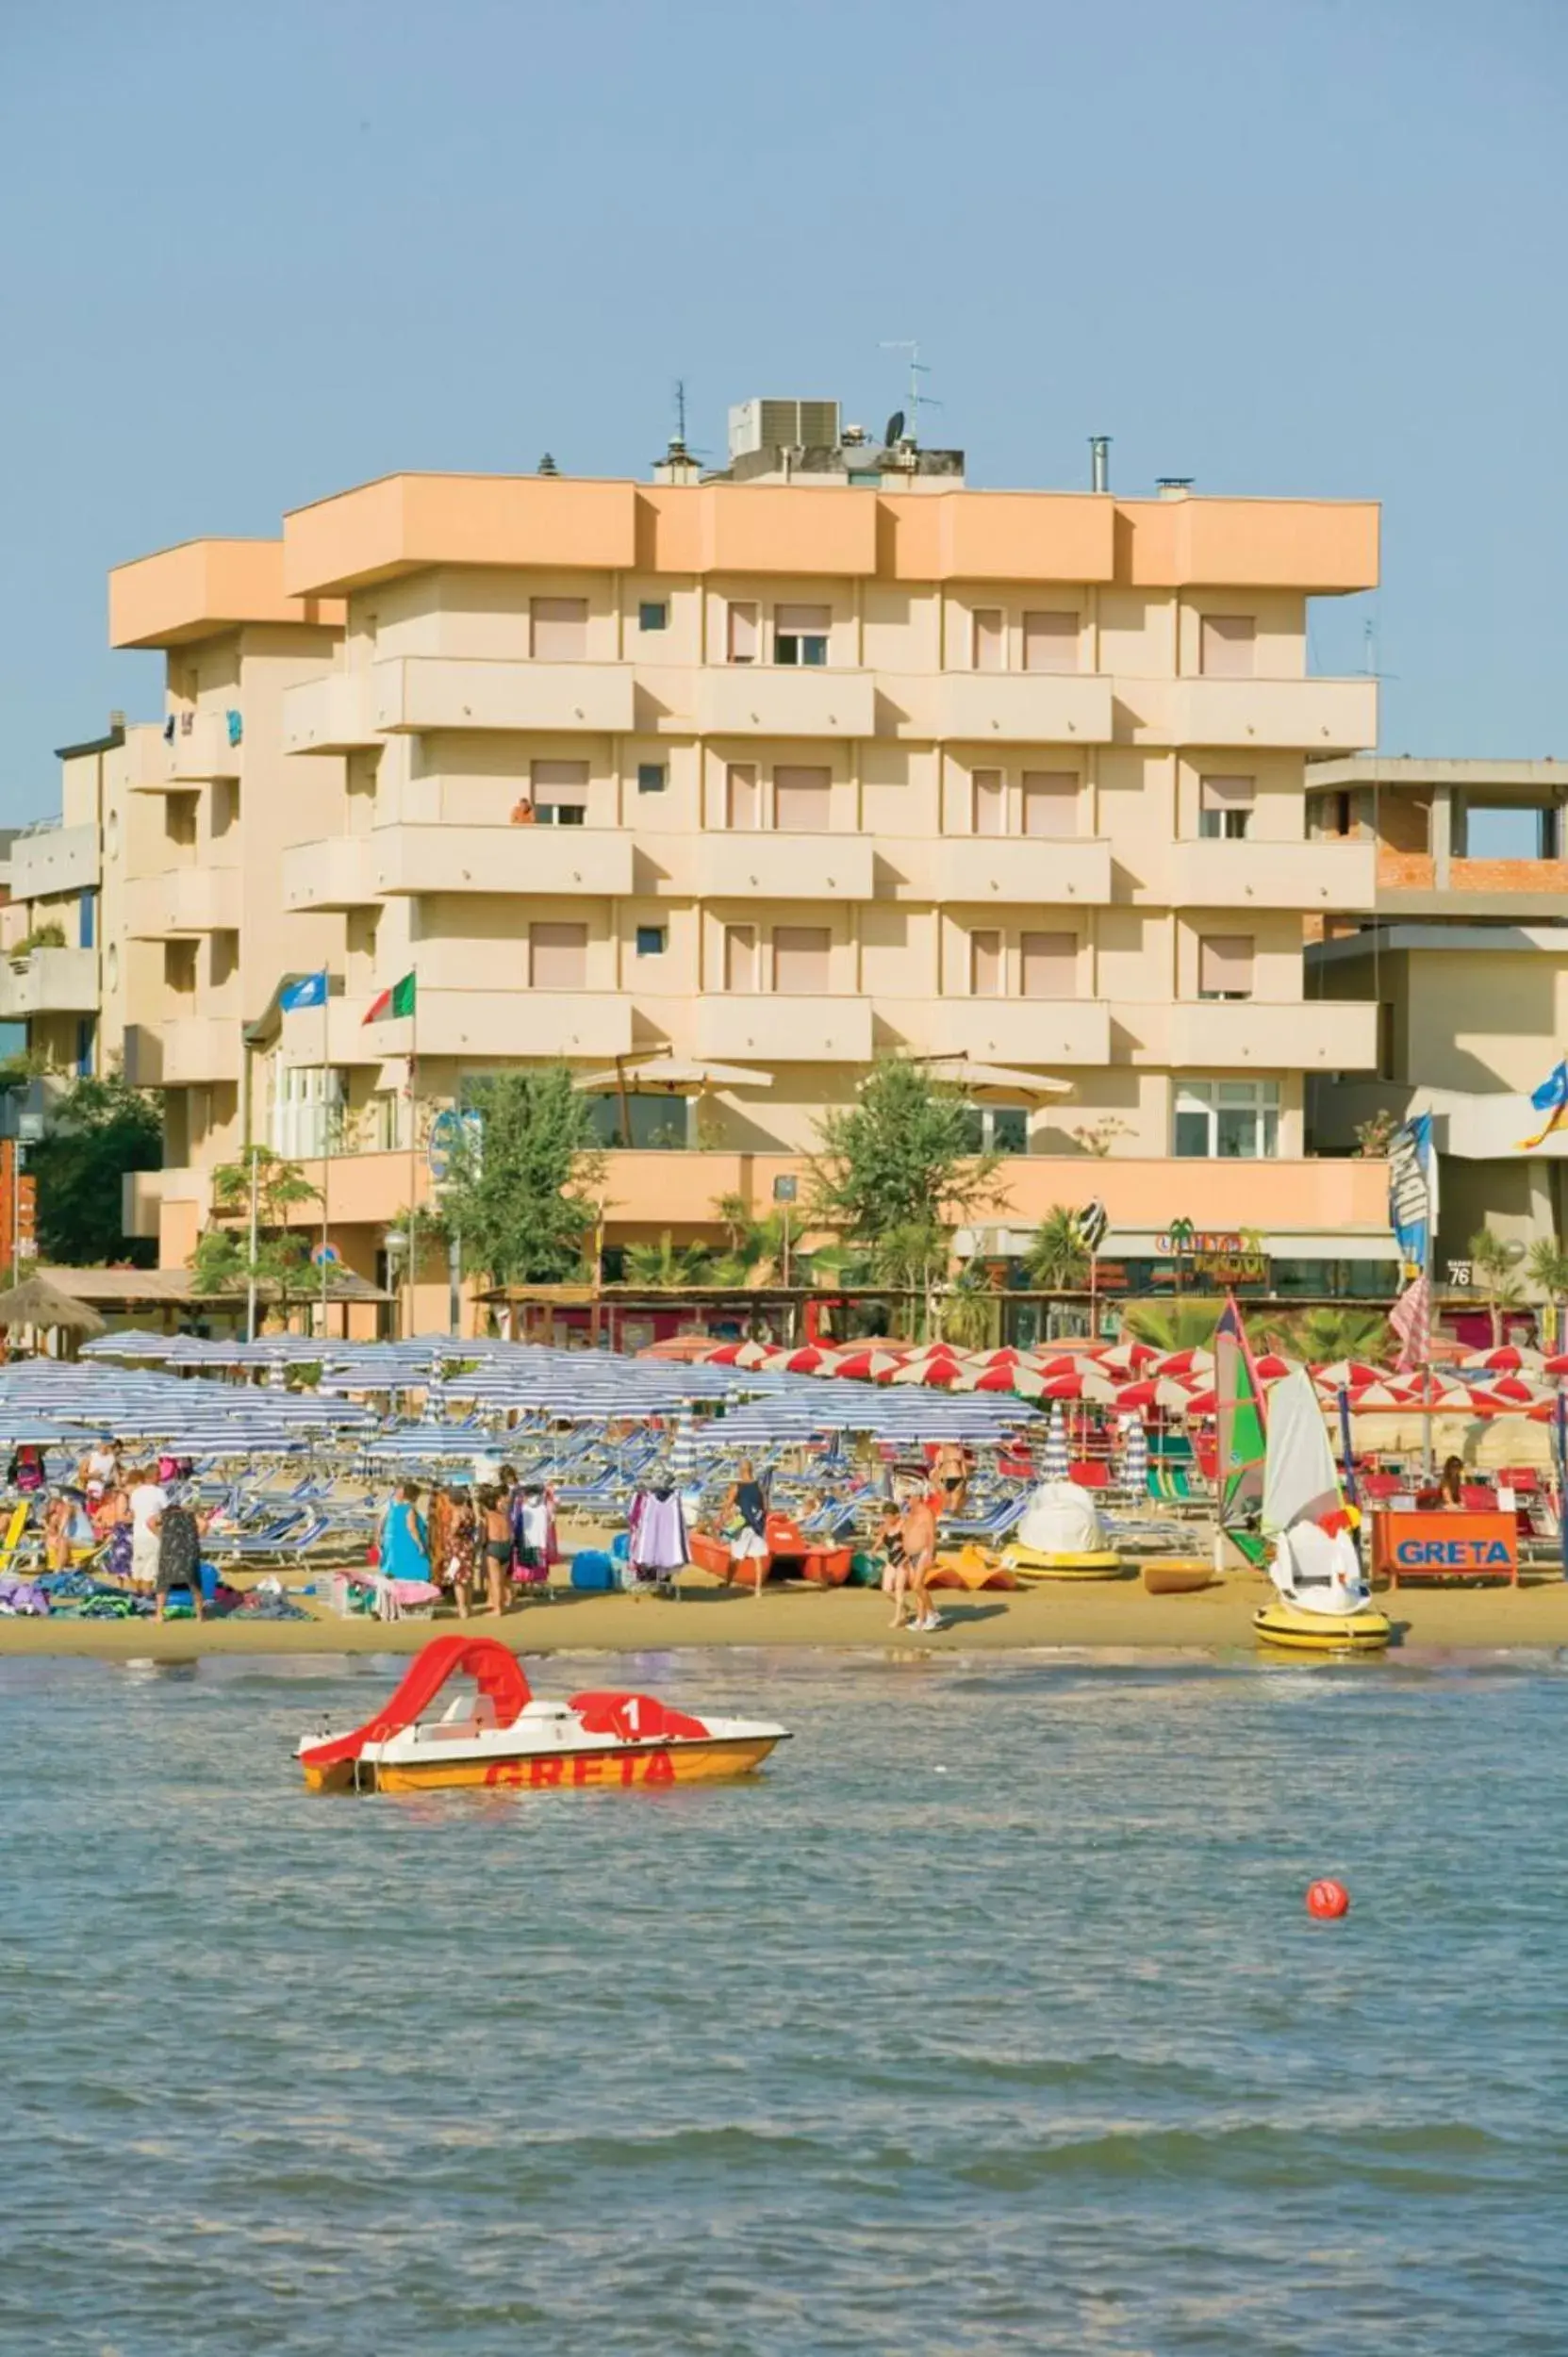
{"x": 895, "y": 429}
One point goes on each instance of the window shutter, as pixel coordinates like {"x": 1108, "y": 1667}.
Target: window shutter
{"x": 989, "y": 647}
{"x": 800, "y": 959}
{"x": 743, "y": 631}
{"x": 985, "y": 967}
{"x": 1226, "y": 648}
{"x": 740, "y": 957}
{"x": 1050, "y": 963}
{"x": 802, "y": 800}
{"x": 990, "y": 803}
{"x": 740, "y": 798}
{"x": 805, "y": 620}
{"x": 1225, "y": 965}
{"x": 1226, "y": 793}
{"x": 1050, "y": 801}
{"x": 558, "y": 956}
{"x": 1050, "y": 642}
{"x": 560, "y": 629}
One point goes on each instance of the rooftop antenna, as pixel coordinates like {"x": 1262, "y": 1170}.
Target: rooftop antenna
{"x": 918, "y": 369}
{"x": 681, "y": 410}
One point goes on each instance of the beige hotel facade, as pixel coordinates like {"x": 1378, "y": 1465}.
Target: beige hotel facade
{"x": 720, "y": 788}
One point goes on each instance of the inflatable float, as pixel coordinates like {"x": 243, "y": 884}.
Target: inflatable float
{"x": 1060, "y": 1535}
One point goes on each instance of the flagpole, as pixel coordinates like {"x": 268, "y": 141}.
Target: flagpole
{"x": 413, "y": 1148}
{"x": 326, "y": 1135}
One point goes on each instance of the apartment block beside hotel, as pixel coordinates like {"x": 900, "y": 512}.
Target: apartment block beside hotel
{"x": 720, "y": 787}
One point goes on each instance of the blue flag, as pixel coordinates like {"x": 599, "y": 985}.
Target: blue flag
{"x": 310, "y": 992}
{"x": 1412, "y": 1191}
{"x": 1550, "y": 1098}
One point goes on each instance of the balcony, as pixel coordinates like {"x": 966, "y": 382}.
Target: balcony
{"x": 778, "y": 699}
{"x": 197, "y": 1049}
{"x": 1233, "y": 1034}
{"x": 524, "y": 859}
{"x": 1223, "y": 875}
{"x": 56, "y": 859}
{"x": 779, "y": 1028}
{"x": 1316, "y": 715}
{"x": 768, "y": 867}
{"x": 330, "y": 715}
{"x": 440, "y": 692}
{"x": 49, "y": 981}
{"x": 334, "y": 873}
{"x": 183, "y": 900}
{"x": 1036, "y": 870}
{"x": 520, "y": 1024}
{"x": 1028, "y": 1032}
{"x": 200, "y": 750}
{"x": 1023, "y": 708}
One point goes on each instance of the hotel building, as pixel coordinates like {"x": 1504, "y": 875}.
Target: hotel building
{"x": 718, "y": 788}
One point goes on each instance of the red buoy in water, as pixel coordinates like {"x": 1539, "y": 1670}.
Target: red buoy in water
{"x": 1327, "y": 1901}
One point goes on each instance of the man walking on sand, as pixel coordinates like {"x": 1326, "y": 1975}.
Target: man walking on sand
{"x": 919, "y": 1542}
{"x": 179, "y": 1556}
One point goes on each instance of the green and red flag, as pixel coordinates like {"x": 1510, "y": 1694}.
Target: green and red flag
{"x": 1239, "y": 1418}
{"x": 396, "y": 1001}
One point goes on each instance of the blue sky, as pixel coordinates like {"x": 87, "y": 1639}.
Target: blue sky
{"x": 257, "y": 254}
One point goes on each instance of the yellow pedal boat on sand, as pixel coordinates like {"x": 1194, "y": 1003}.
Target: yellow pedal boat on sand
{"x": 1293, "y": 1630}
{"x": 497, "y": 1736}
{"x": 1032, "y": 1563}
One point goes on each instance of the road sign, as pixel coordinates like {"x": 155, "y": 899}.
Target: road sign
{"x": 325, "y": 1256}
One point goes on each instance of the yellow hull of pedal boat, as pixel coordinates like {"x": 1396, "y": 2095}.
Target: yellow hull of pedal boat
{"x": 1031, "y": 1563}
{"x": 1287, "y": 1628}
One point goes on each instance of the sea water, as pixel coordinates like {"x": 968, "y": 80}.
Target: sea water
{"x": 990, "y": 2019}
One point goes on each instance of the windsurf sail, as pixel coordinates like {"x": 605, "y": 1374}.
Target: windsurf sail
{"x": 1300, "y": 1478}
{"x": 1240, "y": 1422}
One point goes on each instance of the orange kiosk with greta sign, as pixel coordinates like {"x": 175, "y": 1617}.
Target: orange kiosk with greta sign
{"x": 1451, "y": 1544}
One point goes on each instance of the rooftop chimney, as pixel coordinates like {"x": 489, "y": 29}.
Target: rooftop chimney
{"x": 547, "y": 465}
{"x": 1100, "y": 462}
{"x": 1173, "y": 486}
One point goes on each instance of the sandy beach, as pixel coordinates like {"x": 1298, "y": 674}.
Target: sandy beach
{"x": 1113, "y": 1616}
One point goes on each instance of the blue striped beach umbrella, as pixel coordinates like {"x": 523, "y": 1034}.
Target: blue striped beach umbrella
{"x": 1135, "y": 1461}
{"x": 682, "y": 1451}
{"x": 1053, "y": 1462}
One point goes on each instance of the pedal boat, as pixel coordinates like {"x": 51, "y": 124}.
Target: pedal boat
{"x": 1294, "y": 1629}
{"x": 497, "y": 1736}
{"x": 1031, "y": 1564}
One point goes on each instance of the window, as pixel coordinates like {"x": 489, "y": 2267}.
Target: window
{"x": 740, "y": 958}
{"x": 560, "y": 790}
{"x": 988, "y": 639}
{"x": 1225, "y": 644}
{"x": 652, "y": 776}
{"x": 1343, "y": 823}
{"x": 652, "y": 940}
{"x": 1048, "y": 964}
{"x": 741, "y": 802}
{"x": 559, "y": 629}
{"x": 87, "y": 1034}
{"x": 990, "y": 804}
{"x": 87, "y": 920}
{"x": 1505, "y": 831}
{"x": 307, "y": 1109}
{"x": 656, "y": 1123}
{"x": 1050, "y": 803}
{"x": 800, "y": 960}
{"x": 559, "y": 957}
{"x": 995, "y": 1130}
{"x": 1224, "y": 808}
{"x": 800, "y": 633}
{"x": 653, "y": 614}
{"x": 1050, "y": 642}
{"x": 985, "y": 965}
{"x": 742, "y": 643}
{"x": 802, "y": 800}
{"x": 1227, "y": 1120}
{"x": 1225, "y": 965}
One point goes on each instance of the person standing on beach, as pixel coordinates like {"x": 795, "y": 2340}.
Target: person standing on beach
{"x": 148, "y": 1500}
{"x": 919, "y": 1532}
{"x": 497, "y": 1523}
{"x": 179, "y": 1558}
{"x": 405, "y": 1538}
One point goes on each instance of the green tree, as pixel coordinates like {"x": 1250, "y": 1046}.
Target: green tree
{"x": 523, "y": 1195}
{"x": 670, "y": 1267}
{"x": 102, "y": 1128}
{"x": 1056, "y": 1261}
{"x": 1548, "y": 1267}
{"x": 897, "y": 1172}
{"x": 970, "y": 1310}
{"x": 1173, "y": 1325}
{"x": 1322, "y": 1335}
{"x": 280, "y": 1267}
{"x": 753, "y": 1249}
{"x": 1496, "y": 1266}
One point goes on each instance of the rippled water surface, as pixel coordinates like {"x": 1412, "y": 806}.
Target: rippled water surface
{"x": 989, "y": 2019}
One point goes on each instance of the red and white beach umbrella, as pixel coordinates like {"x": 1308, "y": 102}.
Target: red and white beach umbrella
{"x": 1508, "y": 1359}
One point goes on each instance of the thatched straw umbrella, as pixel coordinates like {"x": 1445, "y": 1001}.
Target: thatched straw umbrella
{"x": 36, "y": 1302}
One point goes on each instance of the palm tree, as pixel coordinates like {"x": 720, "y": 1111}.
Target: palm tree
{"x": 1548, "y": 1267}
{"x": 1173, "y": 1325}
{"x": 1056, "y": 1261}
{"x": 1496, "y": 1265}
{"x": 667, "y": 1266}
{"x": 970, "y": 1315}
{"x": 1322, "y": 1335}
